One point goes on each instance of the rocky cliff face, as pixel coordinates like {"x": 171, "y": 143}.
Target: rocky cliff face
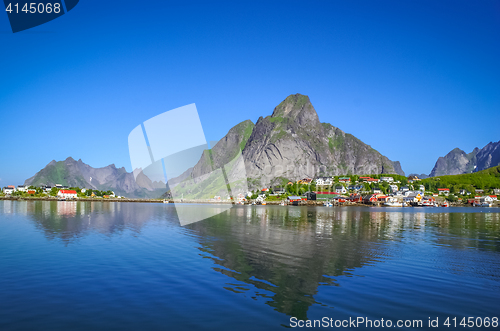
{"x": 78, "y": 174}
{"x": 458, "y": 162}
{"x": 292, "y": 143}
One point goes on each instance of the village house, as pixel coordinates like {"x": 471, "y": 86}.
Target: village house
{"x": 22, "y": 188}
{"x": 405, "y": 188}
{"x": 413, "y": 178}
{"x": 494, "y": 197}
{"x": 340, "y": 189}
{"x": 304, "y": 181}
{"x": 413, "y": 197}
{"x": 324, "y": 181}
{"x": 496, "y": 191}
{"x": 487, "y": 199}
{"x": 344, "y": 179}
{"x": 373, "y": 180}
{"x": 479, "y": 191}
{"x": 83, "y": 190}
{"x": 241, "y": 197}
{"x": 393, "y": 188}
{"x": 355, "y": 198}
{"x": 387, "y": 179}
{"x": 376, "y": 190}
{"x": 356, "y": 188}
{"x": 422, "y": 188}
{"x": 382, "y": 198}
{"x": 370, "y": 198}
{"x": 444, "y": 191}
{"x": 295, "y": 198}
{"x": 31, "y": 191}
{"x": 464, "y": 192}
{"x": 47, "y": 188}
{"x": 67, "y": 194}
{"x": 8, "y": 190}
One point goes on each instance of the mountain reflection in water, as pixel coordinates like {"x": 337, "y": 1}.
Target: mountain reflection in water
{"x": 283, "y": 255}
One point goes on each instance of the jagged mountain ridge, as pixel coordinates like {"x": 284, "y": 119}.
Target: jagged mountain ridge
{"x": 78, "y": 174}
{"x": 292, "y": 143}
{"x": 458, "y": 162}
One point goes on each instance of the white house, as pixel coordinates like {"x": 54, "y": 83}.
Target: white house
{"x": 496, "y": 191}
{"x": 376, "y": 191}
{"x": 22, "y": 188}
{"x": 393, "y": 188}
{"x": 324, "y": 181}
{"x": 422, "y": 188}
{"x": 487, "y": 198}
{"x": 8, "y": 190}
{"x": 387, "y": 179}
{"x": 494, "y": 197}
{"x": 340, "y": 189}
{"x": 444, "y": 191}
{"x": 83, "y": 190}
{"x": 67, "y": 194}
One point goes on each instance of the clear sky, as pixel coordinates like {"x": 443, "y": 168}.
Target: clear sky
{"x": 414, "y": 79}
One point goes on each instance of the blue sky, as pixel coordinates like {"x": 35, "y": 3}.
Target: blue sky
{"x": 414, "y": 79}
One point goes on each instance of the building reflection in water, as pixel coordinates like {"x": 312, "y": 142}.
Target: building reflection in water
{"x": 69, "y": 220}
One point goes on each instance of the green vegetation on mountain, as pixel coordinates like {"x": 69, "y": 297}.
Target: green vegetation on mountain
{"x": 485, "y": 179}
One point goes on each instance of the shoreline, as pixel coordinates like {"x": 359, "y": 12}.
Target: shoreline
{"x": 268, "y": 203}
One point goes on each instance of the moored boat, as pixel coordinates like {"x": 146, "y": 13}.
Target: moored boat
{"x": 393, "y": 202}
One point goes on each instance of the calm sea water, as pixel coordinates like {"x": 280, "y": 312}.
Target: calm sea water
{"x": 126, "y": 266}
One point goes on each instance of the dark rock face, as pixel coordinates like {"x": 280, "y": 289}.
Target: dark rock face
{"x": 488, "y": 156}
{"x": 454, "y": 163}
{"x": 458, "y": 162}
{"x": 78, "y": 174}
{"x": 292, "y": 143}
{"x": 398, "y": 169}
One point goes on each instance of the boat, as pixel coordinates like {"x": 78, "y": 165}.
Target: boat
{"x": 393, "y": 202}
{"x": 282, "y": 203}
{"x": 428, "y": 203}
{"x": 165, "y": 201}
{"x": 482, "y": 204}
{"x": 264, "y": 203}
{"x": 445, "y": 204}
{"x": 327, "y": 204}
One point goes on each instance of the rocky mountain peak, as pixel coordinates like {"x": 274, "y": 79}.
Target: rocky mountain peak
{"x": 297, "y": 107}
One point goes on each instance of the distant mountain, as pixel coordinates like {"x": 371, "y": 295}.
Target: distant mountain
{"x": 458, "y": 162}
{"x": 421, "y": 176}
{"x": 292, "y": 143}
{"x": 78, "y": 174}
